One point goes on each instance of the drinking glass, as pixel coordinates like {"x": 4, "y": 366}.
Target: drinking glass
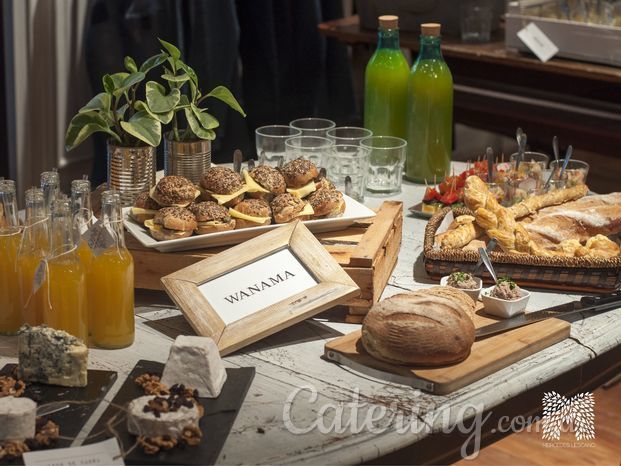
{"x": 270, "y": 141}
{"x": 313, "y": 126}
{"x": 575, "y": 173}
{"x": 531, "y": 172}
{"x": 348, "y": 135}
{"x": 386, "y": 160}
{"x": 348, "y": 160}
{"x": 476, "y": 20}
{"x": 313, "y": 148}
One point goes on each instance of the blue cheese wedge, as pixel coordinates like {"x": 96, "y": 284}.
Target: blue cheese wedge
{"x": 195, "y": 362}
{"x": 51, "y": 356}
{"x": 17, "y": 418}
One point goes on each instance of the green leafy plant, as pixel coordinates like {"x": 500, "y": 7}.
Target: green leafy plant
{"x": 130, "y": 121}
{"x": 118, "y": 112}
{"x": 181, "y": 78}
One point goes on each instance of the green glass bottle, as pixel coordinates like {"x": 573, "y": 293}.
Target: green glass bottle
{"x": 386, "y": 83}
{"x": 430, "y": 111}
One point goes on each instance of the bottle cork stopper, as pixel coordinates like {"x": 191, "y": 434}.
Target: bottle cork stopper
{"x": 430, "y": 29}
{"x": 389, "y": 21}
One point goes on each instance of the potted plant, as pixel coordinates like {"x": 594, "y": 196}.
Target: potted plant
{"x": 134, "y": 131}
{"x": 187, "y": 149}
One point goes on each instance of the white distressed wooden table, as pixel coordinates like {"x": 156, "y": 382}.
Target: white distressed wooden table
{"x": 291, "y": 360}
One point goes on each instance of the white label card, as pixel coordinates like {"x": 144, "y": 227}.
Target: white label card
{"x": 98, "y": 454}
{"x": 256, "y": 286}
{"x": 538, "y": 43}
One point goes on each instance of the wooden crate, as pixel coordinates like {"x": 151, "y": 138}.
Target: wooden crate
{"x": 367, "y": 251}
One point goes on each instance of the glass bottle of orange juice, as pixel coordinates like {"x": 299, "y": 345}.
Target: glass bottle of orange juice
{"x": 65, "y": 284}
{"x": 82, "y": 219}
{"x": 10, "y": 237}
{"x": 33, "y": 249}
{"x": 112, "y": 293}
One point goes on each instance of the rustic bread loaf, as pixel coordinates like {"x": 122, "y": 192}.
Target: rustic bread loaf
{"x": 427, "y": 328}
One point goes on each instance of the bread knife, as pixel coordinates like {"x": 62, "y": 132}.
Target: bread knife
{"x": 602, "y": 303}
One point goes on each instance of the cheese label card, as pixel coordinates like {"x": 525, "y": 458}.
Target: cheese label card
{"x": 255, "y": 286}
{"x": 538, "y": 43}
{"x": 106, "y": 453}
{"x": 99, "y": 238}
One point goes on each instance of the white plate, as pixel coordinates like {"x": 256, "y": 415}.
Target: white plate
{"x": 353, "y": 211}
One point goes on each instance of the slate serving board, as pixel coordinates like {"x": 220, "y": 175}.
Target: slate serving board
{"x": 72, "y": 419}
{"x": 220, "y": 414}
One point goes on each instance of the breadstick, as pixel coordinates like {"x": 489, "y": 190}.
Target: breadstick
{"x": 559, "y": 196}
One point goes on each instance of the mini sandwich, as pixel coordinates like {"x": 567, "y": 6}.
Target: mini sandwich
{"x": 211, "y": 217}
{"x": 144, "y": 208}
{"x": 251, "y": 213}
{"x": 287, "y": 207}
{"x": 171, "y": 223}
{"x": 299, "y": 175}
{"x": 174, "y": 191}
{"x": 222, "y": 185}
{"x": 264, "y": 182}
{"x": 327, "y": 203}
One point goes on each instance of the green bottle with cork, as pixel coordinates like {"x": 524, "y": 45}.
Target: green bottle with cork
{"x": 430, "y": 111}
{"x": 386, "y": 83}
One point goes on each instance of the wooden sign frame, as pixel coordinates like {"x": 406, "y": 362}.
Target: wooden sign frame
{"x": 333, "y": 287}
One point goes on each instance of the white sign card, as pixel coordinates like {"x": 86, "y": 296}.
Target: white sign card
{"x": 106, "y": 453}
{"x": 538, "y": 43}
{"x": 258, "y": 285}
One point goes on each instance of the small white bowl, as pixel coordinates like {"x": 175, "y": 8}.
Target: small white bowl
{"x": 474, "y": 293}
{"x": 503, "y": 307}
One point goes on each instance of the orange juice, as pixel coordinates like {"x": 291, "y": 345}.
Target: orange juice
{"x": 111, "y": 298}
{"x": 10, "y": 305}
{"x": 67, "y": 293}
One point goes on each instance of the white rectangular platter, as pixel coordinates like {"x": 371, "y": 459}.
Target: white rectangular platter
{"x": 353, "y": 211}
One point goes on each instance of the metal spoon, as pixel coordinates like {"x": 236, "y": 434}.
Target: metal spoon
{"x": 570, "y": 150}
{"x": 521, "y": 149}
{"x": 322, "y": 172}
{"x": 555, "y": 148}
{"x": 348, "y": 186}
{"x": 238, "y": 158}
{"x": 488, "y": 264}
{"x": 250, "y": 164}
{"x": 489, "y": 153}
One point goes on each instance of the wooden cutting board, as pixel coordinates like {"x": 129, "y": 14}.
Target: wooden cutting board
{"x": 486, "y": 357}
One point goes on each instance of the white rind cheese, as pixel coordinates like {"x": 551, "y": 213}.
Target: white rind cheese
{"x": 195, "y": 362}
{"x": 17, "y": 418}
{"x": 170, "y": 423}
{"x": 51, "y": 356}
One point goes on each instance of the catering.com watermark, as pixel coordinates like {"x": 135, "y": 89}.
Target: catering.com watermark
{"x": 377, "y": 416}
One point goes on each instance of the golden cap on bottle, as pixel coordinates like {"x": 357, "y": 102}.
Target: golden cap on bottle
{"x": 389, "y": 21}
{"x": 430, "y": 29}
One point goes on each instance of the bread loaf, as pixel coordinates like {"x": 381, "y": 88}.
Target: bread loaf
{"x": 427, "y": 328}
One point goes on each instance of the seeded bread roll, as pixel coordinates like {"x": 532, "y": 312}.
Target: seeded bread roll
{"x": 422, "y": 329}
{"x": 268, "y": 178}
{"x": 144, "y": 208}
{"x": 256, "y": 208}
{"x": 172, "y": 223}
{"x": 287, "y": 207}
{"x": 174, "y": 191}
{"x": 211, "y": 217}
{"x": 221, "y": 181}
{"x": 299, "y": 172}
{"x": 327, "y": 203}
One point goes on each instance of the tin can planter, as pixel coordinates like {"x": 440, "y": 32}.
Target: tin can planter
{"x": 131, "y": 170}
{"x": 187, "y": 158}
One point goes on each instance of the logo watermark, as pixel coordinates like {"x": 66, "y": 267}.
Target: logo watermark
{"x": 377, "y": 416}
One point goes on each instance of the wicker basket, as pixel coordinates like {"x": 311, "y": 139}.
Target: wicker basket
{"x": 568, "y": 273}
